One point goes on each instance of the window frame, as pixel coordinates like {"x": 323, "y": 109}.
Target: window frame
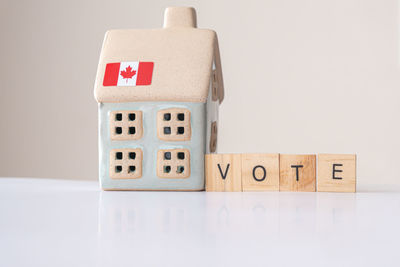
{"x": 174, "y": 162}
{"x": 126, "y": 162}
{"x": 125, "y": 124}
{"x": 174, "y": 124}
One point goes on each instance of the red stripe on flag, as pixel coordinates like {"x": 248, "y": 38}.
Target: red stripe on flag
{"x": 111, "y": 74}
{"x": 145, "y": 73}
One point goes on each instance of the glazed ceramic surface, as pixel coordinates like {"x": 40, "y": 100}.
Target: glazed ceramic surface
{"x": 150, "y": 144}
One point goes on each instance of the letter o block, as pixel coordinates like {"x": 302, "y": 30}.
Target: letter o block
{"x": 260, "y": 172}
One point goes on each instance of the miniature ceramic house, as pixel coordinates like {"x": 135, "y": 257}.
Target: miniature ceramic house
{"x": 158, "y": 92}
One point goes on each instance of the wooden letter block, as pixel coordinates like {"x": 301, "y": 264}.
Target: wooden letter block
{"x": 297, "y": 173}
{"x": 223, "y": 172}
{"x": 260, "y": 172}
{"x": 336, "y": 173}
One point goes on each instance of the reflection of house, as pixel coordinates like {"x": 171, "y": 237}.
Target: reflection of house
{"x": 158, "y": 92}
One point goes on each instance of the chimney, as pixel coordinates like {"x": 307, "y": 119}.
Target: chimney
{"x": 180, "y": 17}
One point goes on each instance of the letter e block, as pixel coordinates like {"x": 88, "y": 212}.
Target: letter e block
{"x": 223, "y": 172}
{"x": 336, "y": 173}
{"x": 297, "y": 173}
{"x": 260, "y": 172}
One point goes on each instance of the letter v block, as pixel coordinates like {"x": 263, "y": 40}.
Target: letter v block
{"x": 336, "y": 173}
{"x": 260, "y": 172}
{"x": 223, "y": 172}
{"x": 297, "y": 173}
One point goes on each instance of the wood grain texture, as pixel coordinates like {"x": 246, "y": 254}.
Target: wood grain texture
{"x": 223, "y": 172}
{"x": 300, "y": 178}
{"x": 260, "y": 172}
{"x": 340, "y": 177}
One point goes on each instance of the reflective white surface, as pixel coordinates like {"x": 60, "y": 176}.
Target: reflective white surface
{"x": 73, "y": 223}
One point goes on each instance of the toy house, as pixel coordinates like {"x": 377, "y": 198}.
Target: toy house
{"x": 158, "y": 91}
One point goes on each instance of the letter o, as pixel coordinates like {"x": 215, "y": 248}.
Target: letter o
{"x": 264, "y": 175}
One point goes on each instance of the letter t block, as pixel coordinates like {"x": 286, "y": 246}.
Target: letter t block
{"x": 297, "y": 173}
{"x": 223, "y": 172}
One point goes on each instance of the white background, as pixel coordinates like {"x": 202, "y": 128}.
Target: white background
{"x": 300, "y": 77}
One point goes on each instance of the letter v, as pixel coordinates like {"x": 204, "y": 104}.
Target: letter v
{"x": 226, "y": 171}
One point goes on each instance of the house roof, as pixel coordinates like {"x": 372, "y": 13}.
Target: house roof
{"x": 182, "y": 55}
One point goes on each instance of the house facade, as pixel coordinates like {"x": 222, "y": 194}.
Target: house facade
{"x": 158, "y": 91}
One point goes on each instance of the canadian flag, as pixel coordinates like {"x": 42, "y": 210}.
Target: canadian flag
{"x": 128, "y": 73}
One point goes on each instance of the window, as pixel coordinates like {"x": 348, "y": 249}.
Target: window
{"x": 214, "y": 92}
{"x": 126, "y": 125}
{"x": 213, "y": 137}
{"x": 174, "y": 124}
{"x": 173, "y": 163}
{"x": 126, "y": 163}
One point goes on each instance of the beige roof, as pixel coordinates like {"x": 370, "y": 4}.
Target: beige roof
{"x": 182, "y": 56}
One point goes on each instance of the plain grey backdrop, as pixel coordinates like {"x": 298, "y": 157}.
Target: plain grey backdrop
{"x": 300, "y": 77}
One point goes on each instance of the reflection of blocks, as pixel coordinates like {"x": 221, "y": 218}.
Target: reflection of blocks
{"x": 174, "y": 124}
{"x": 260, "y": 172}
{"x": 125, "y": 163}
{"x": 297, "y": 173}
{"x": 336, "y": 173}
{"x": 223, "y": 172}
{"x": 126, "y": 125}
{"x": 173, "y": 163}
{"x": 213, "y": 137}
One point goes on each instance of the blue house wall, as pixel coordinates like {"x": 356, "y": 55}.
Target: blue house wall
{"x": 150, "y": 144}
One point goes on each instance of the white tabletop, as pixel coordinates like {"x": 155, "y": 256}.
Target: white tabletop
{"x": 46, "y": 222}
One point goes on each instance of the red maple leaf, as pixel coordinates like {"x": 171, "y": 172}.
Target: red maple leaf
{"x": 128, "y": 73}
